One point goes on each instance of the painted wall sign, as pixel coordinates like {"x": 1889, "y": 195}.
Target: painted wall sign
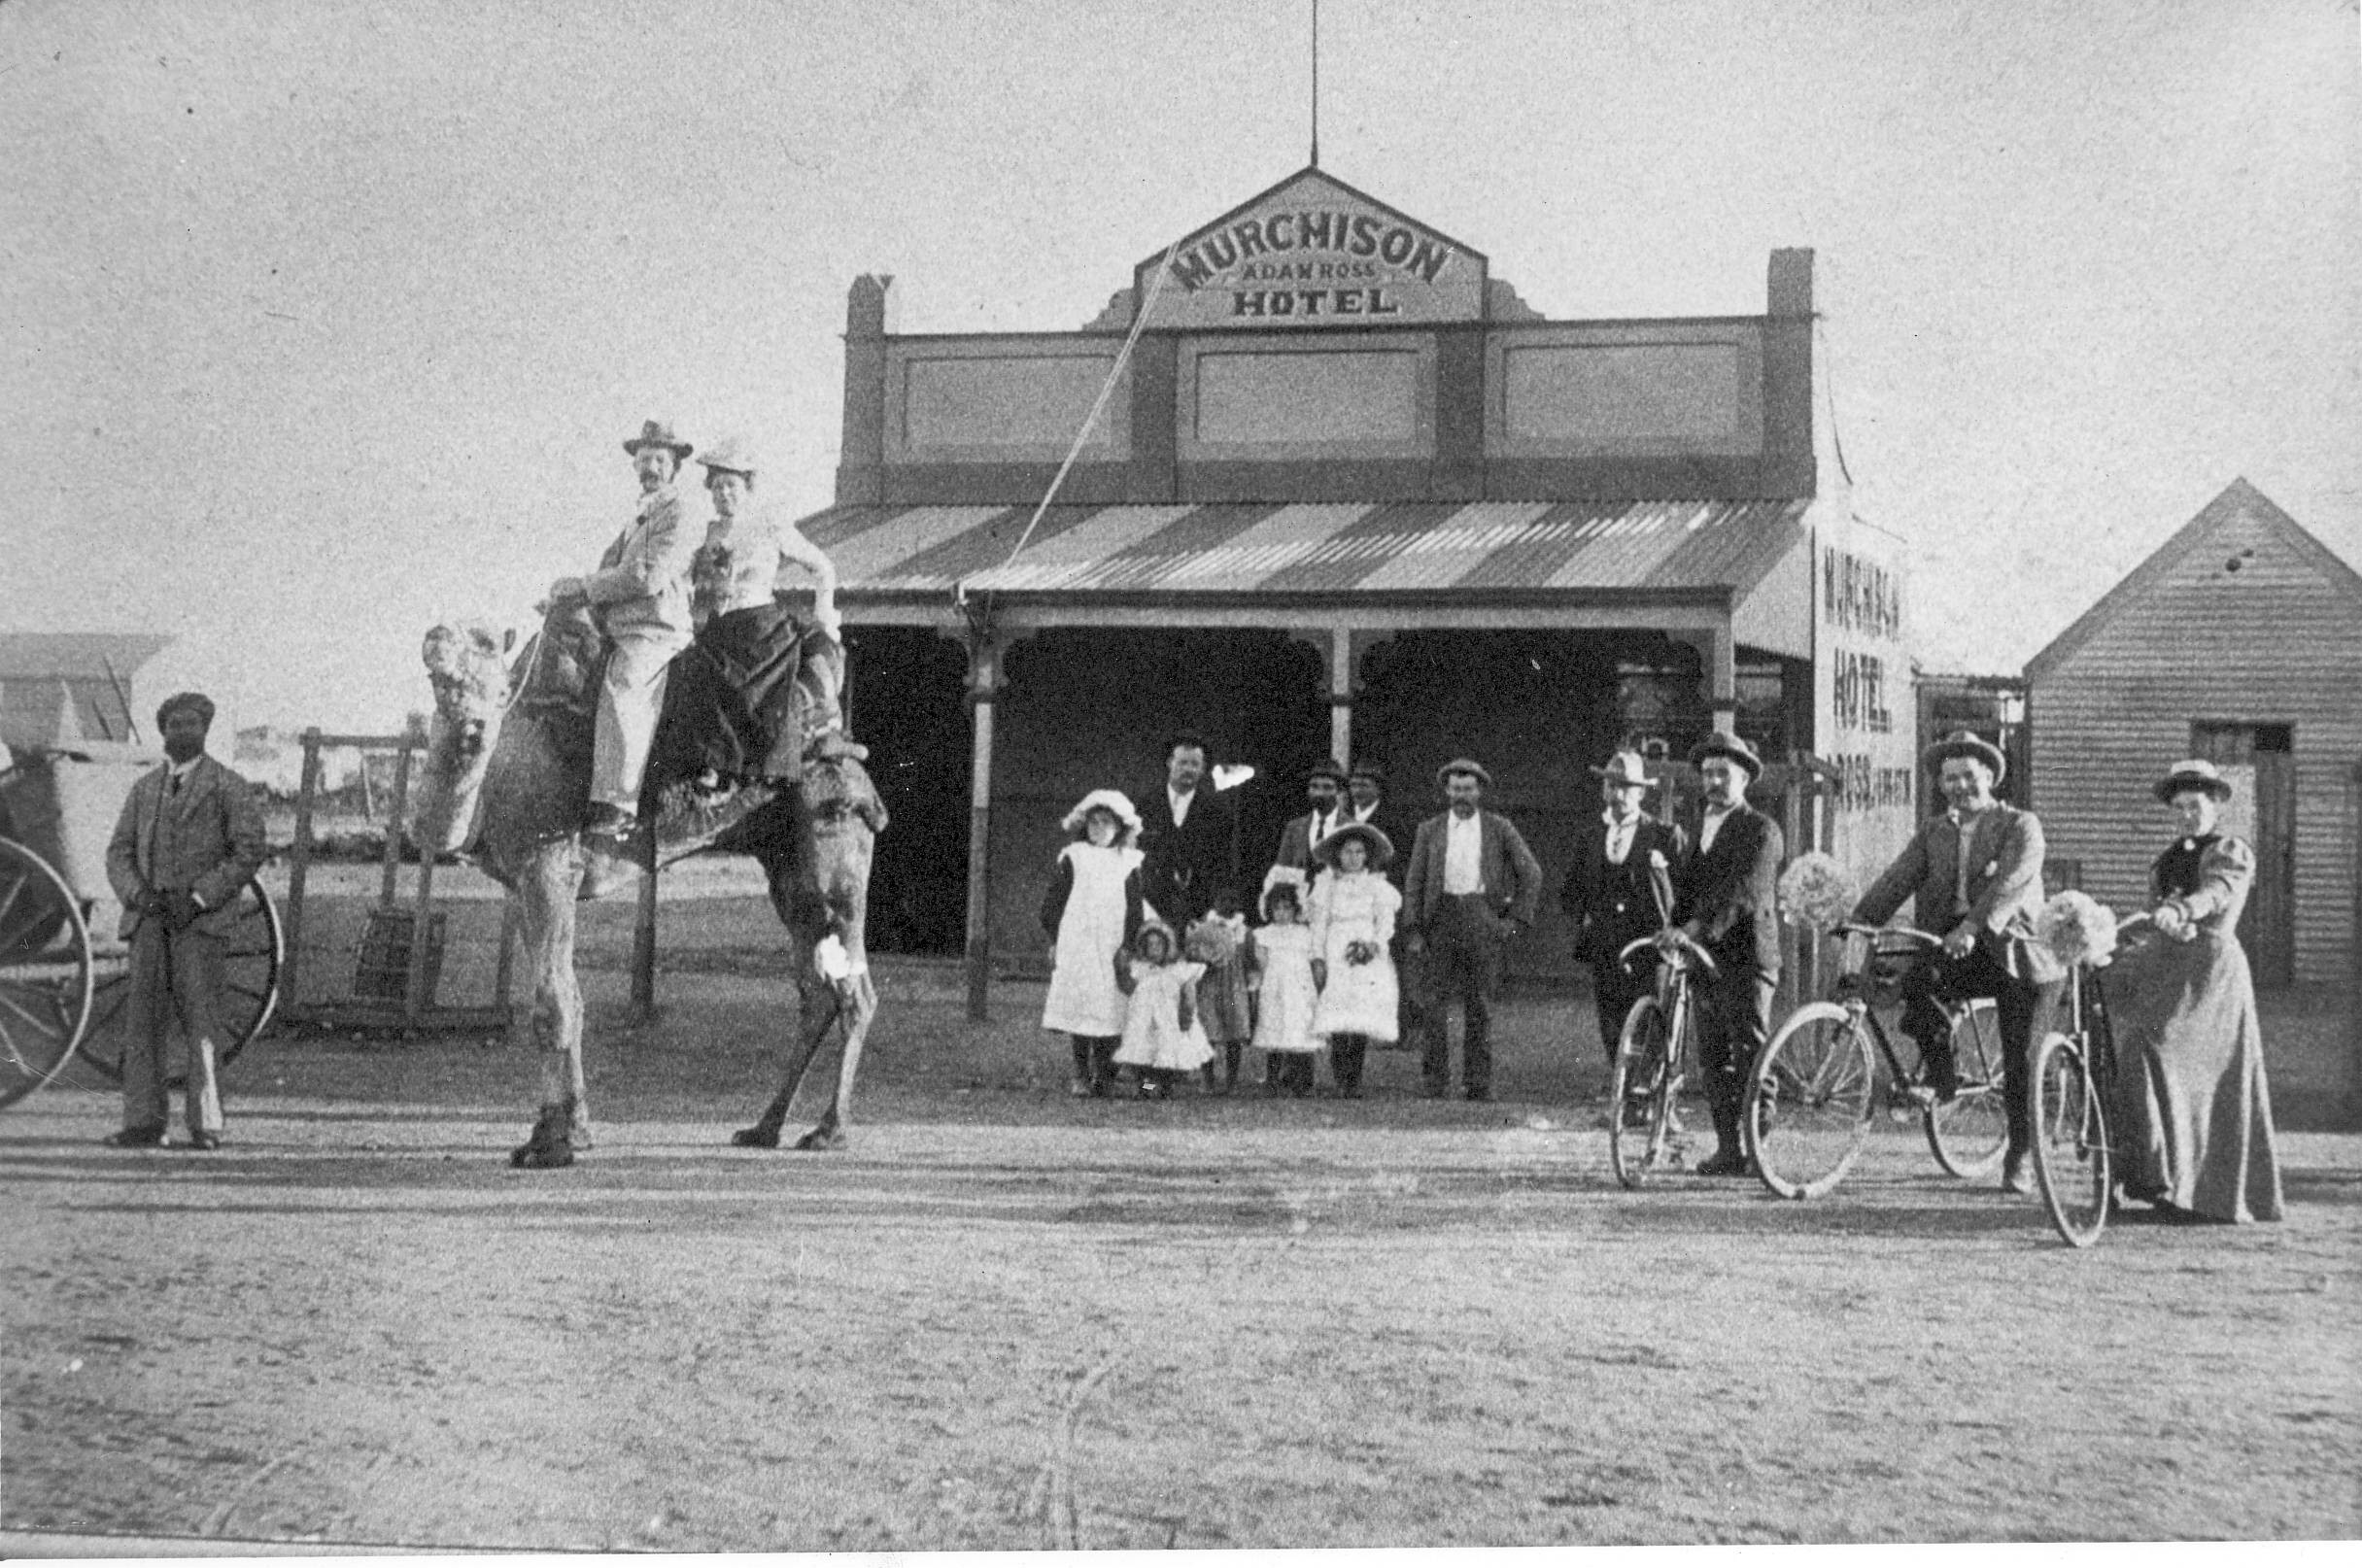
{"x": 1314, "y": 252}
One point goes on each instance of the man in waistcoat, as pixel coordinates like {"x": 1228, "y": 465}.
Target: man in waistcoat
{"x": 190, "y": 838}
{"x": 1472, "y": 888}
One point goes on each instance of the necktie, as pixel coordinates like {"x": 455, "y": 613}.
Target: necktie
{"x": 176, "y": 783}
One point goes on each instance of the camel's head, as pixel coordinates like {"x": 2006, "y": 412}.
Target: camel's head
{"x": 466, "y": 664}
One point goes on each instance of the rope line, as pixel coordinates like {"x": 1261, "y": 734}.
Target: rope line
{"x": 1124, "y": 357}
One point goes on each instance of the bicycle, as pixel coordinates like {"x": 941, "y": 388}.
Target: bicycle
{"x": 2075, "y": 1082}
{"x": 1815, "y": 1088}
{"x": 1656, "y": 1055}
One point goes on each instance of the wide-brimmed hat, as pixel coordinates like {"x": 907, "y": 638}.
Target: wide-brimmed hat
{"x": 1966, "y": 743}
{"x": 1127, "y": 818}
{"x": 2196, "y": 775}
{"x": 1623, "y": 769}
{"x": 1724, "y": 744}
{"x": 1464, "y": 765}
{"x": 1375, "y": 772}
{"x": 1381, "y": 847}
{"x": 1326, "y": 767}
{"x": 731, "y": 455}
{"x": 659, "y": 434}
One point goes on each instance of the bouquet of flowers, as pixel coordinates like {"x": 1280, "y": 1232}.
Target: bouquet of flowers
{"x": 1360, "y": 952}
{"x": 2078, "y": 928}
{"x": 1815, "y": 892}
{"x": 1210, "y": 941}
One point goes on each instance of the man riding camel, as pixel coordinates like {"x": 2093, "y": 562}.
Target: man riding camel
{"x": 639, "y": 599}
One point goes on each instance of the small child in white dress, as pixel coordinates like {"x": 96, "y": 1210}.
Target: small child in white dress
{"x": 1162, "y": 1039}
{"x": 1279, "y": 968}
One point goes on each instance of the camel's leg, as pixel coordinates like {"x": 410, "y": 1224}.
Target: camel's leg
{"x": 856, "y": 1004}
{"x": 553, "y": 1027}
{"x": 816, "y": 1009}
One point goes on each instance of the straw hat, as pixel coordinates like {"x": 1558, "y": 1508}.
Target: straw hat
{"x": 1381, "y": 847}
{"x": 2196, "y": 775}
{"x": 1624, "y": 768}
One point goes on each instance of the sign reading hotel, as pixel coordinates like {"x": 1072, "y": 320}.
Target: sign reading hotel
{"x": 1314, "y": 252}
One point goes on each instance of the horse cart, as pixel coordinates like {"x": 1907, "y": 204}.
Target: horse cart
{"x": 65, "y": 976}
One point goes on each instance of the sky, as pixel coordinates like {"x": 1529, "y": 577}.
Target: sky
{"x": 323, "y": 319}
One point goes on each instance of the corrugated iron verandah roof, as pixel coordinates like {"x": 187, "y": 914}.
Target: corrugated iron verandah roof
{"x": 1464, "y": 549}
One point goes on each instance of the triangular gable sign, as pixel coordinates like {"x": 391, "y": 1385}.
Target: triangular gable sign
{"x": 1312, "y": 252}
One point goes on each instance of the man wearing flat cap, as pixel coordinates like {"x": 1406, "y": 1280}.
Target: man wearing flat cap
{"x": 1472, "y": 887}
{"x": 1727, "y": 901}
{"x": 1974, "y": 877}
{"x": 188, "y": 840}
{"x": 1620, "y": 888}
{"x": 639, "y": 598}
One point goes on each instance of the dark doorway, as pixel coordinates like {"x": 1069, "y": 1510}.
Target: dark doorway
{"x": 2266, "y": 927}
{"x": 906, "y": 688}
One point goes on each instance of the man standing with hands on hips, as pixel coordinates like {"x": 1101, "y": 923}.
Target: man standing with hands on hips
{"x": 188, "y": 839}
{"x": 1473, "y": 885}
{"x": 1729, "y": 905}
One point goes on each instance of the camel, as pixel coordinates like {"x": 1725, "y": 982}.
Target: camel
{"x": 507, "y": 768}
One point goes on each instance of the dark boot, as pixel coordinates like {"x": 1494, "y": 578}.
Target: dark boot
{"x": 1231, "y": 1053}
{"x": 1103, "y": 1067}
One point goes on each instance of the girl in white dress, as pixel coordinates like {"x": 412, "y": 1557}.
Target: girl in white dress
{"x": 1161, "y": 1034}
{"x": 1280, "y": 968}
{"x": 1354, "y": 910}
{"x": 1091, "y": 911}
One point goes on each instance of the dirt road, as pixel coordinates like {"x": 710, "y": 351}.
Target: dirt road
{"x": 1007, "y": 1320}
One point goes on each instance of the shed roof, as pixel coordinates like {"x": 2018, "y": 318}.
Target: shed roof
{"x": 1350, "y": 552}
{"x": 2239, "y": 498}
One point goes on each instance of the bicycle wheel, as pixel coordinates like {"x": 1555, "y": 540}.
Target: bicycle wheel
{"x": 1970, "y": 1133}
{"x": 1808, "y": 1103}
{"x": 2072, "y": 1163}
{"x": 1638, "y": 1110}
{"x": 253, "y": 948}
{"x": 45, "y": 971}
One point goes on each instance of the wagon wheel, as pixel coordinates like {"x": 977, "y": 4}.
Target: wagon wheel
{"x": 252, "y": 949}
{"x": 45, "y": 971}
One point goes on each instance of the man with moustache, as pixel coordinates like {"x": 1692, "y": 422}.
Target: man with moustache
{"x": 1186, "y": 837}
{"x": 1324, "y": 794}
{"x": 1620, "y": 888}
{"x": 1472, "y": 888}
{"x": 1727, "y": 904}
{"x": 188, "y": 839}
{"x": 1974, "y": 873}
{"x": 639, "y": 598}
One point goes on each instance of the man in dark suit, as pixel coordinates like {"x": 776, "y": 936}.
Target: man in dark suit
{"x": 1472, "y": 887}
{"x": 1975, "y": 875}
{"x": 1324, "y": 794}
{"x": 188, "y": 840}
{"x": 1187, "y": 841}
{"x": 1620, "y": 888}
{"x": 1729, "y": 904}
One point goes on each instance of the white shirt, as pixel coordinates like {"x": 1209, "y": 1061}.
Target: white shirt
{"x": 1319, "y": 827}
{"x": 1713, "y": 824}
{"x": 177, "y": 779}
{"x": 1620, "y": 831}
{"x": 1463, "y": 853}
{"x": 1180, "y": 803}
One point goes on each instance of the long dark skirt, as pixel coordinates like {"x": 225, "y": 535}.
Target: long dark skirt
{"x": 2192, "y": 1105}
{"x": 729, "y": 697}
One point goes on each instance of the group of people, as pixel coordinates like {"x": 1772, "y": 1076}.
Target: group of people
{"x": 1141, "y": 892}
{"x": 1157, "y": 968}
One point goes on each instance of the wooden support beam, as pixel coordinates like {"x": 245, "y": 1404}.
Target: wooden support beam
{"x": 983, "y": 687}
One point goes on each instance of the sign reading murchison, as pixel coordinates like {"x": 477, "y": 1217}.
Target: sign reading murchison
{"x": 1315, "y": 252}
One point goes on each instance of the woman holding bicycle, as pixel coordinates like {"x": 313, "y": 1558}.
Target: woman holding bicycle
{"x": 2196, "y": 1115}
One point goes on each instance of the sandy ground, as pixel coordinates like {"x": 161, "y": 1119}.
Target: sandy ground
{"x": 1008, "y": 1319}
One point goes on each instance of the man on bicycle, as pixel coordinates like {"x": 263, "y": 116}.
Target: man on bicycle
{"x": 1975, "y": 875}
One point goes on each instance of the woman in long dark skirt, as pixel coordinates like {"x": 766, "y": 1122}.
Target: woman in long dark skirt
{"x": 2192, "y": 1102}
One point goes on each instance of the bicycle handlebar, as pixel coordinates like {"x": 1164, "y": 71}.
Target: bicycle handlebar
{"x": 1670, "y": 940}
{"x": 1911, "y": 935}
